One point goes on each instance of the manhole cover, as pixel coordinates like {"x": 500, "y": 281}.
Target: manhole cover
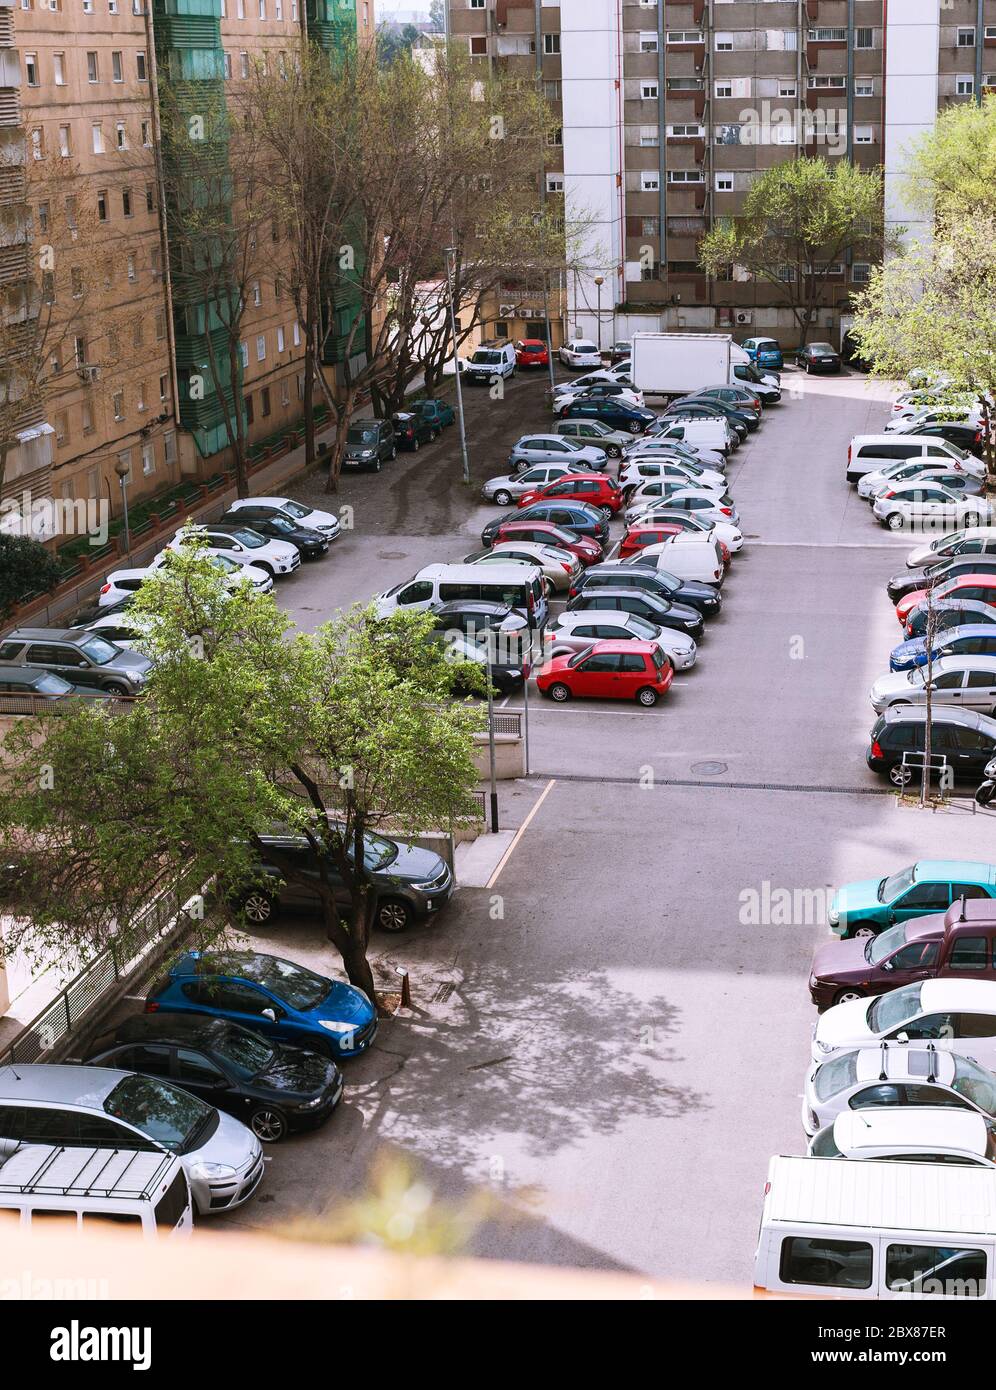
{"x": 390, "y": 554}
{"x": 708, "y": 769}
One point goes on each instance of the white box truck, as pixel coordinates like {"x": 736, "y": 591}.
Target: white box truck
{"x": 676, "y": 364}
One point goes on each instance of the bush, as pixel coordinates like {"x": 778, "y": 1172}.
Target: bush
{"x": 26, "y": 567}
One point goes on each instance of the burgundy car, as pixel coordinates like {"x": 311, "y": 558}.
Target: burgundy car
{"x": 588, "y": 551}
{"x": 959, "y": 944}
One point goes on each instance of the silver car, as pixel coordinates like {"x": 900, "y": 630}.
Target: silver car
{"x": 560, "y": 567}
{"x": 572, "y": 632}
{"x": 80, "y": 1105}
{"x": 83, "y": 658}
{"x": 966, "y": 681}
{"x": 505, "y": 489}
{"x": 553, "y": 448}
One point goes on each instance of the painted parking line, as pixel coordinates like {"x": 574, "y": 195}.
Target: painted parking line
{"x": 521, "y": 831}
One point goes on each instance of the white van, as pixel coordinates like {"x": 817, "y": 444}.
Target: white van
{"x": 691, "y": 555}
{"x": 146, "y": 1191}
{"x": 517, "y": 585}
{"x": 867, "y": 453}
{"x": 838, "y": 1228}
{"x": 705, "y": 434}
{"x": 492, "y": 359}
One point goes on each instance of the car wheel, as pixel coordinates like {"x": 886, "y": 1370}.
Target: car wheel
{"x": 394, "y": 452}
{"x": 394, "y": 915}
{"x": 646, "y": 697}
{"x": 895, "y": 521}
{"x": 985, "y": 793}
{"x": 613, "y": 451}
{"x": 900, "y": 776}
{"x": 503, "y": 499}
{"x": 548, "y": 588}
{"x": 257, "y": 907}
{"x": 116, "y": 688}
{"x": 415, "y": 446}
{"x": 862, "y": 932}
{"x": 267, "y": 1124}
{"x": 559, "y": 692}
{"x": 436, "y": 434}
{"x": 376, "y": 468}
{"x": 606, "y": 512}
{"x": 844, "y": 996}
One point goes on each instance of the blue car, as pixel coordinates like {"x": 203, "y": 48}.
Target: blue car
{"x": 970, "y": 639}
{"x": 765, "y": 352}
{"x": 271, "y": 996}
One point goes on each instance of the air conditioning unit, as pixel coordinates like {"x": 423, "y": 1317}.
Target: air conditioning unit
{"x": 87, "y": 373}
{"x": 744, "y": 317}
{"x": 507, "y": 311}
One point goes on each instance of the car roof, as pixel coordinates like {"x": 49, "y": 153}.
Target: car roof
{"x": 583, "y": 615}
{"x": 609, "y": 592}
{"x": 960, "y": 870}
{"x": 917, "y": 714}
{"x": 45, "y": 634}
{"x": 266, "y": 502}
{"x": 900, "y": 1061}
{"x": 203, "y": 1028}
{"x": 965, "y": 663}
{"x": 472, "y": 574}
{"x": 26, "y": 675}
{"x": 962, "y": 630}
{"x": 932, "y": 1127}
{"x": 68, "y": 1083}
{"x": 474, "y": 605}
{"x": 240, "y": 964}
{"x": 613, "y": 648}
{"x": 971, "y": 995}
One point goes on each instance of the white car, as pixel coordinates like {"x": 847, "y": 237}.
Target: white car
{"x": 579, "y": 384}
{"x": 929, "y": 504}
{"x": 653, "y": 443}
{"x": 900, "y": 1074}
{"x": 654, "y": 490}
{"x": 559, "y": 567}
{"x": 580, "y": 352}
{"x": 708, "y": 506}
{"x": 928, "y": 1011}
{"x": 120, "y": 583}
{"x": 299, "y": 512}
{"x": 731, "y": 536}
{"x": 872, "y": 485}
{"x": 918, "y": 416}
{"x": 924, "y": 1134}
{"x": 972, "y": 540}
{"x": 123, "y": 629}
{"x": 966, "y": 681}
{"x": 639, "y": 471}
{"x": 241, "y": 544}
{"x": 562, "y": 399}
{"x": 573, "y": 632}
{"x": 689, "y": 557}
{"x": 508, "y": 486}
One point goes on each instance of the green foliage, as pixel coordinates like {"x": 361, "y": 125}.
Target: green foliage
{"x": 952, "y": 169}
{"x": 26, "y": 567}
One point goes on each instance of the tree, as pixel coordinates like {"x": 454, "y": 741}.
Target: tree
{"x": 437, "y": 14}
{"x": 804, "y": 215}
{"x": 951, "y": 170}
{"x": 245, "y": 726}
{"x": 26, "y": 567}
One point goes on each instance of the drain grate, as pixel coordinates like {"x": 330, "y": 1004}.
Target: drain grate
{"x": 443, "y": 992}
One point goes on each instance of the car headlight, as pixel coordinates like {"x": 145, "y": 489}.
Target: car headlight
{"x": 833, "y": 916}
{"x": 335, "y": 1027}
{"x": 207, "y": 1171}
{"x": 822, "y": 1046}
{"x": 311, "y": 1104}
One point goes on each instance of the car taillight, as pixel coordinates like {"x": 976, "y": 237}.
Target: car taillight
{"x": 151, "y": 1007}
{"x": 849, "y": 453}
{"x": 565, "y": 566}
{"x": 105, "y": 589}
{"x": 717, "y": 574}
{"x": 876, "y": 749}
{"x": 727, "y": 511}
{"x": 888, "y": 494}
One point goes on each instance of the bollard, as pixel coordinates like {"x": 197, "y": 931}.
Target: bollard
{"x": 406, "y": 992}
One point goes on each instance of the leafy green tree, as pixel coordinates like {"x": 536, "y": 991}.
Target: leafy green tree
{"x": 952, "y": 168}
{"x": 246, "y": 726}
{"x": 26, "y": 567}
{"x": 802, "y": 216}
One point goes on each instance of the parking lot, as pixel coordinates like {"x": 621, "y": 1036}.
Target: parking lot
{"x": 607, "y": 1037}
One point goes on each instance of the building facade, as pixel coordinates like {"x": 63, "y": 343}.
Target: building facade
{"x": 669, "y": 110}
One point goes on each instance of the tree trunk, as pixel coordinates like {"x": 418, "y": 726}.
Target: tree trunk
{"x": 358, "y": 970}
{"x": 241, "y": 463}
{"x": 309, "y": 407}
{"x": 343, "y": 416}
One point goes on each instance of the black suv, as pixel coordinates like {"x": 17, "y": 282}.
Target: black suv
{"x": 80, "y": 657}
{"x": 311, "y": 544}
{"x": 654, "y": 607}
{"x": 649, "y": 579}
{"x": 960, "y": 740}
{"x": 410, "y": 883}
{"x": 369, "y": 443}
{"x": 412, "y": 429}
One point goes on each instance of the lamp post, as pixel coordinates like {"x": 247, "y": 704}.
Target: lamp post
{"x": 122, "y": 469}
{"x": 599, "y": 282}
{"x": 491, "y": 732}
{"x": 450, "y": 271}
{"x": 549, "y": 337}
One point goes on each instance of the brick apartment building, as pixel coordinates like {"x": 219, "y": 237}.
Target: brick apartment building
{"x": 668, "y": 110}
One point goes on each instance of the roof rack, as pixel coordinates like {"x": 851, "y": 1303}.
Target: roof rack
{"x": 36, "y": 1184}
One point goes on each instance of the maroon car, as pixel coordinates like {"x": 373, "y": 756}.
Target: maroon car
{"x": 959, "y": 943}
{"x": 588, "y": 551}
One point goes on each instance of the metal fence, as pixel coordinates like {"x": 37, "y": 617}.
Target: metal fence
{"x": 57, "y": 704}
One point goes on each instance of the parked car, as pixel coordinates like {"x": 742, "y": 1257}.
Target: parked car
{"x": 965, "y": 413}
{"x": 741, "y": 416}
{"x": 690, "y": 557}
{"x": 615, "y": 574}
{"x": 656, "y": 491}
{"x": 284, "y": 1001}
{"x": 121, "y": 584}
{"x": 654, "y": 445}
{"x": 612, "y": 412}
{"x": 482, "y": 620}
{"x": 608, "y": 671}
{"x": 949, "y": 614}
{"x": 875, "y": 453}
{"x": 919, "y": 581}
{"x": 922, "y": 1135}
{"x": 896, "y": 1074}
{"x": 580, "y": 352}
{"x": 492, "y": 360}
{"x": 239, "y": 542}
{"x": 311, "y": 544}
{"x": 730, "y": 537}
{"x": 967, "y": 437}
{"x": 972, "y": 639}
{"x": 961, "y": 740}
{"x": 613, "y": 391}
{"x": 710, "y": 434}
{"x": 766, "y": 383}
{"x": 955, "y": 1015}
{"x": 688, "y": 410}
{"x": 620, "y": 351}
{"x": 853, "y": 354}
{"x": 818, "y": 357}
{"x": 506, "y": 673}
{"x": 596, "y": 490}
{"x": 29, "y": 690}
{"x": 957, "y": 942}
{"x": 509, "y": 487}
{"x": 703, "y": 597}
{"x": 641, "y": 534}
{"x": 594, "y": 432}
{"x": 576, "y": 631}
{"x": 83, "y": 659}
{"x": 534, "y": 449}
{"x": 78, "y": 1106}
{"x": 439, "y": 413}
{"x": 966, "y": 681}
{"x": 579, "y": 517}
{"x": 930, "y": 505}
{"x": 515, "y": 584}
{"x": 974, "y": 585}
{"x": 369, "y": 443}
{"x": 531, "y": 352}
{"x": 646, "y": 468}
{"x": 708, "y": 505}
{"x": 559, "y": 567}
{"x": 954, "y": 476}
{"x": 655, "y": 608}
{"x": 974, "y": 540}
{"x": 511, "y": 529}
{"x": 765, "y": 352}
{"x": 311, "y": 517}
{"x": 738, "y": 395}
{"x": 412, "y": 430}
{"x": 274, "y": 1089}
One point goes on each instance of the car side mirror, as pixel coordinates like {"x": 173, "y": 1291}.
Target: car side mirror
{"x": 270, "y": 1014}
{"x": 902, "y": 1037}
{"x": 888, "y": 965}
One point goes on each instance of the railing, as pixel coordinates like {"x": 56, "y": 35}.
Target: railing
{"x": 71, "y": 1005}
{"x": 505, "y": 721}
{"x": 54, "y": 704}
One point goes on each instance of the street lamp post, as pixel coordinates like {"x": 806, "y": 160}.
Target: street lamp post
{"x": 122, "y": 469}
{"x": 491, "y": 734}
{"x": 549, "y": 336}
{"x": 599, "y": 282}
{"x": 450, "y": 272}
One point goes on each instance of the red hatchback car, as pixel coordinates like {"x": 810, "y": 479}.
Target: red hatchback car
{"x": 639, "y": 536}
{"x": 589, "y": 552}
{"x": 608, "y": 671}
{"x": 595, "y": 488}
{"x": 531, "y": 352}
{"x": 978, "y": 586}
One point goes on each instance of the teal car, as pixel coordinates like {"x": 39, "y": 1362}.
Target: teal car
{"x": 930, "y": 885}
{"x": 437, "y": 413}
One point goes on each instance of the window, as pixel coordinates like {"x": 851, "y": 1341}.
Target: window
{"x": 838, "y": 1264}
{"x": 121, "y": 135}
{"x": 43, "y": 217}
{"x": 244, "y": 354}
{"x": 280, "y": 339}
{"x": 240, "y": 9}
{"x": 257, "y": 294}
{"x": 126, "y": 202}
{"x": 863, "y": 135}
{"x": 169, "y": 446}
{"x": 684, "y": 36}
{"x": 724, "y": 43}
{"x": 117, "y": 404}
{"x": 243, "y": 64}
{"x": 684, "y": 176}
{"x": 102, "y": 204}
{"x": 59, "y": 69}
{"x": 551, "y": 43}
{"x": 61, "y": 427}
{"x": 227, "y": 59}
{"x": 65, "y": 141}
{"x": 117, "y": 68}
{"x": 250, "y": 410}
{"x": 261, "y": 348}
{"x": 965, "y": 84}
{"x": 554, "y": 183}
{"x": 555, "y": 137}
{"x": 92, "y": 68}
{"x": 478, "y": 45}
{"x": 31, "y": 69}
{"x": 147, "y": 134}
{"x": 650, "y": 180}
{"x": 935, "y": 1270}
{"x": 264, "y": 402}
{"x": 969, "y": 953}
{"x": 724, "y": 183}
{"x": 826, "y": 35}
{"x": 150, "y": 198}
{"x": 477, "y": 4}
{"x": 148, "y": 459}
{"x": 87, "y": 6}
{"x": 160, "y": 325}
{"x": 163, "y": 388}
{"x": 864, "y": 86}
{"x": 864, "y": 38}
{"x": 285, "y": 392}
{"x": 76, "y": 279}
{"x": 297, "y": 334}
{"x": 278, "y": 9}
{"x": 79, "y": 350}
{"x": 112, "y": 6}
{"x": 551, "y": 90}
{"x": 141, "y": 66}
{"x": 98, "y": 138}
{"x": 649, "y": 136}
{"x": 648, "y": 91}
{"x": 966, "y": 36}
{"x": 860, "y": 271}
{"x": 787, "y": 89}
{"x": 648, "y": 41}
{"x": 262, "y": 9}
{"x": 132, "y": 267}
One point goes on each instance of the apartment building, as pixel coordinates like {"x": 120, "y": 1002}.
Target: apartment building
{"x": 80, "y": 129}
{"x": 668, "y": 111}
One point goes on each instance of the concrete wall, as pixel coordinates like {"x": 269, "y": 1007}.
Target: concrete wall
{"x": 911, "y": 67}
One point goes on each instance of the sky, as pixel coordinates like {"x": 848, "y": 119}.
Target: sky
{"x": 384, "y": 8}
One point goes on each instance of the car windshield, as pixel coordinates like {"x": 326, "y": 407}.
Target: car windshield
{"x": 486, "y": 357}
{"x": 166, "y": 1114}
{"x": 378, "y": 852}
{"x": 641, "y": 627}
{"x": 822, "y": 349}
{"x": 292, "y": 984}
{"x": 573, "y": 445}
{"x": 578, "y": 657}
{"x": 823, "y": 1145}
{"x": 244, "y": 1050}
{"x": 356, "y": 436}
{"x": 280, "y": 523}
{"x": 295, "y": 509}
{"x": 50, "y": 684}
{"x": 878, "y": 947}
{"x": 890, "y": 888}
{"x": 890, "y": 1010}
{"x": 958, "y": 452}
{"x": 223, "y": 563}
{"x": 836, "y": 1075}
{"x": 251, "y": 539}
{"x": 99, "y": 651}
{"x": 975, "y": 1084}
